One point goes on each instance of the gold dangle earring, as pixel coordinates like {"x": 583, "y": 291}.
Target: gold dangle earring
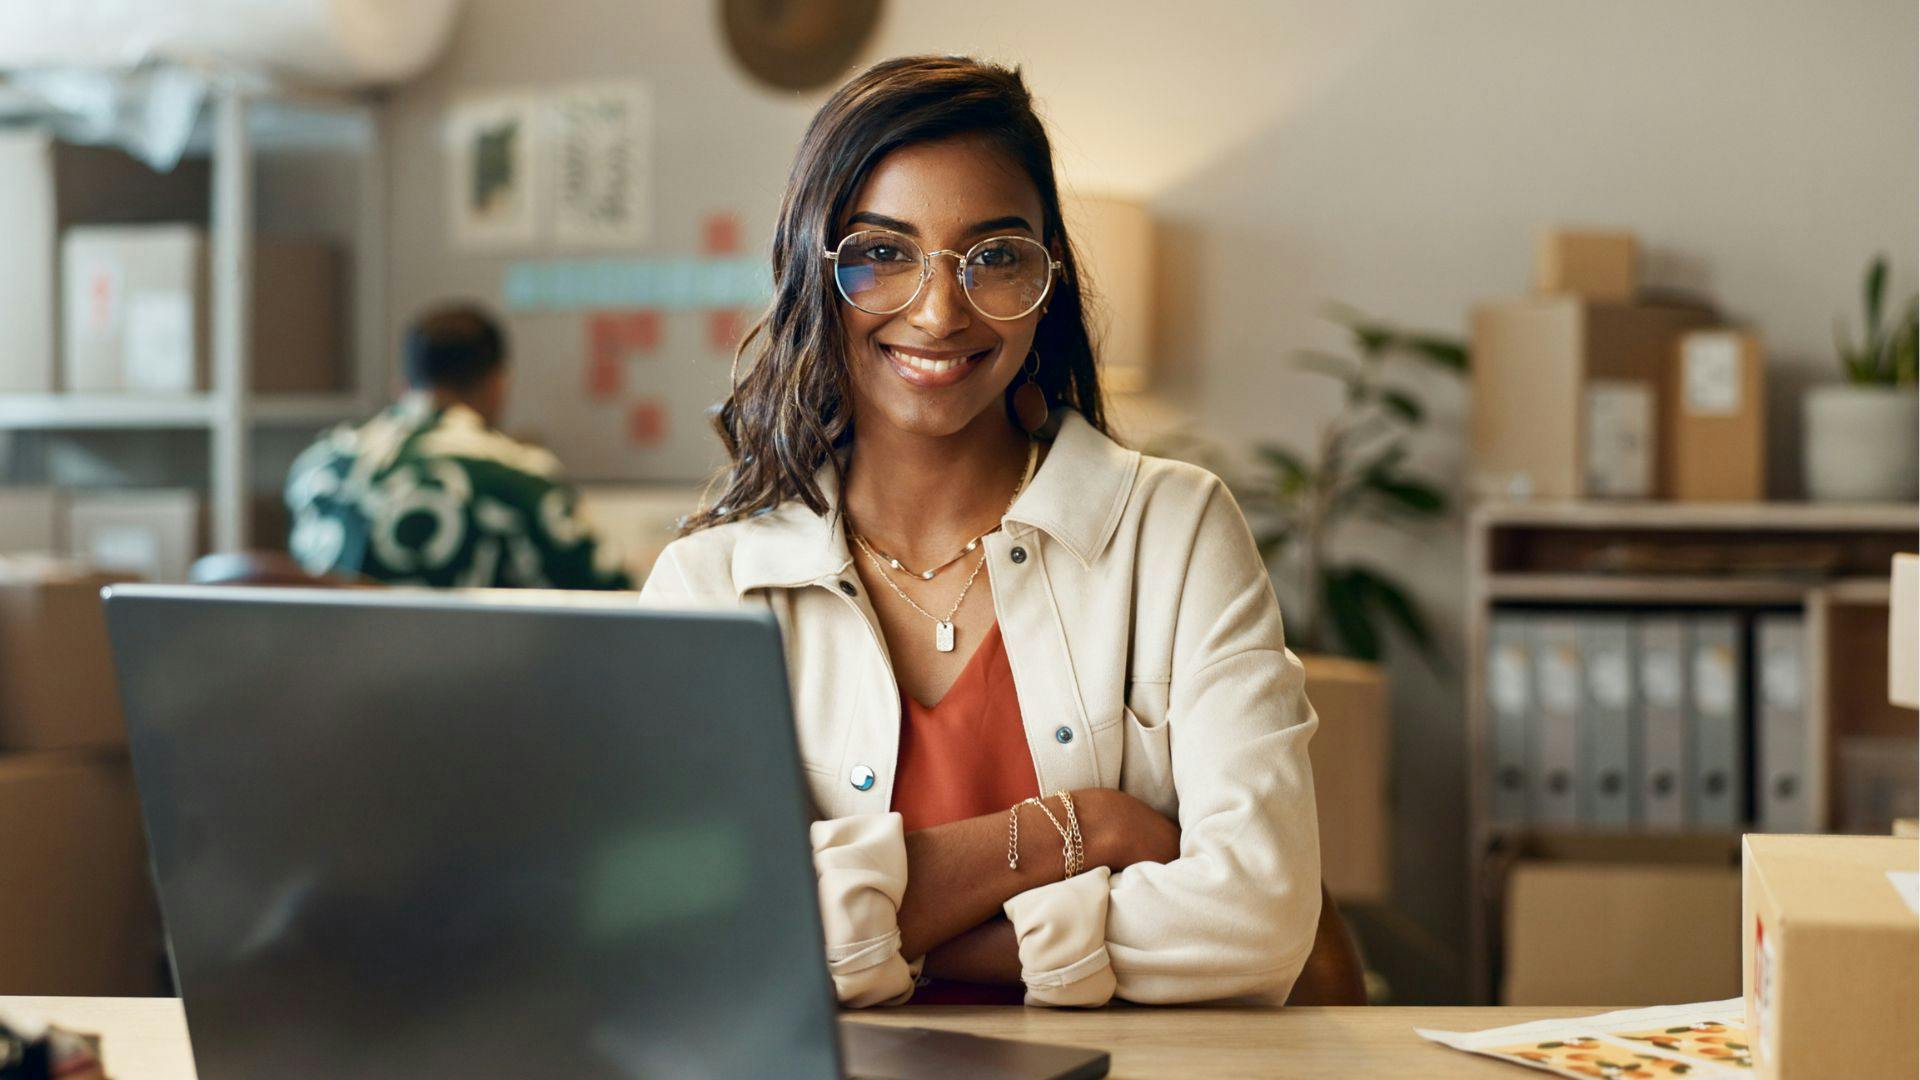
{"x": 1030, "y": 401}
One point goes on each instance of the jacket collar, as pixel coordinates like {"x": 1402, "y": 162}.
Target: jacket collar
{"x": 1076, "y": 498}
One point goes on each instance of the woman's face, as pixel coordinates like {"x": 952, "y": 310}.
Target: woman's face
{"x": 938, "y": 367}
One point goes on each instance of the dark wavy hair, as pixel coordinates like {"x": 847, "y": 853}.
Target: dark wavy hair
{"x": 792, "y": 409}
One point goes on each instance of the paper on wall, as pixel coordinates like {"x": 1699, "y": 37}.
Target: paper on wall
{"x": 493, "y": 182}
{"x": 601, "y": 162}
{"x": 1704, "y": 1040}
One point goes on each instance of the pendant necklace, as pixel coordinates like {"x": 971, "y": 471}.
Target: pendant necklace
{"x": 943, "y": 635}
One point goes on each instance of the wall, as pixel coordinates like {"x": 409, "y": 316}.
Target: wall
{"x": 1396, "y": 155}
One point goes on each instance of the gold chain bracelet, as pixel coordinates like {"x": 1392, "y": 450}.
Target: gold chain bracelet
{"x": 1073, "y": 849}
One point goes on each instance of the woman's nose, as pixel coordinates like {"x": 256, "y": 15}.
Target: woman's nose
{"x": 941, "y": 309}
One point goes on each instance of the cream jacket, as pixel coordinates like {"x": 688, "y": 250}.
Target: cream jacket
{"x": 1147, "y": 654}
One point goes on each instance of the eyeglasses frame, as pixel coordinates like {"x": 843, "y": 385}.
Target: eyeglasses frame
{"x": 1054, "y": 266}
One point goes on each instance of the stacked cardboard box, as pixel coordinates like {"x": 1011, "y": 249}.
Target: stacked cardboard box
{"x": 1832, "y": 925}
{"x": 136, "y": 301}
{"x": 1352, "y": 754}
{"x": 46, "y": 186}
{"x": 77, "y": 913}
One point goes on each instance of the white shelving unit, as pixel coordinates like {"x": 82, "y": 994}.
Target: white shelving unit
{"x": 229, "y": 411}
{"x": 1594, "y": 554}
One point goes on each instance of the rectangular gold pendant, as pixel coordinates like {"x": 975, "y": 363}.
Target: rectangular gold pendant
{"x": 943, "y": 636}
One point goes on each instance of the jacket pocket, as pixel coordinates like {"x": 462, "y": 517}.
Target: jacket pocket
{"x": 1146, "y": 763}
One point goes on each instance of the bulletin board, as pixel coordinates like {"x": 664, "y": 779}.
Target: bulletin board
{"x": 620, "y": 224}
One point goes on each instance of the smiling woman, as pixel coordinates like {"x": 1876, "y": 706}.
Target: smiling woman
{"x": 1010, "y": 639}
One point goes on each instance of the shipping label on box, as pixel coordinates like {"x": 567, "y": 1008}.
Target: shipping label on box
{"x": 1620, "y": 435}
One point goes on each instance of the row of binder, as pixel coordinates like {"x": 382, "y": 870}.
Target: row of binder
{"x": 1667, "y": 721}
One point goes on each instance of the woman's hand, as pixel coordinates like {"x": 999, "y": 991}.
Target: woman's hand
{"x": 1120, "y": 830}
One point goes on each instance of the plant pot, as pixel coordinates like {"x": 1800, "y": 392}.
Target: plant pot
{"x": 1862, "y": 443}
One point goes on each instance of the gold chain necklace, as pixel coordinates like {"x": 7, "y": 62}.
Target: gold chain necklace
{"x": 943, "y": 634}
{"x": 1033, "y": 456}
{"x": 942, "y": 627}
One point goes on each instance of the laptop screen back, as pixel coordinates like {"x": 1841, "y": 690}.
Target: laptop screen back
{"x": 412, "y": 835}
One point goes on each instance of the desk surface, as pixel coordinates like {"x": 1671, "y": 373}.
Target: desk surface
{"x": 146, "y": 1038}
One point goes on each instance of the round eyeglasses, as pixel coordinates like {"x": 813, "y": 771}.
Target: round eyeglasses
{"x": 882, "y": 273}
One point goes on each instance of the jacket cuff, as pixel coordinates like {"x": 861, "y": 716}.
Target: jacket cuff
{"x": 1062, "y": 930}
{"x": 861, "y": 866}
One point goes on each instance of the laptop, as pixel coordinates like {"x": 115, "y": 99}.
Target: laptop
{"x": 419, "y": 834}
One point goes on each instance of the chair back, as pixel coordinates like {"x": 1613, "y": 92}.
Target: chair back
{"x": 1333, "y": 974}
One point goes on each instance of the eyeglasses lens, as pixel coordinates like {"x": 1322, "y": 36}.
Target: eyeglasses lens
{"x": 879, "y": 273}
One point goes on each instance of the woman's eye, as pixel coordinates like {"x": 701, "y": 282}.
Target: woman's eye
{"x": 884, "y": 253}
{"x": 998, "y": 256}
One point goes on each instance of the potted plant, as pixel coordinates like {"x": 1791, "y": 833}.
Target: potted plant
{"x": 1862, "y": 436}
{"x": 1355, "y": 471}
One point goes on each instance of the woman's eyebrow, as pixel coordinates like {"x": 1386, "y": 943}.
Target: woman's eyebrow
{"x": 868, "y": 217}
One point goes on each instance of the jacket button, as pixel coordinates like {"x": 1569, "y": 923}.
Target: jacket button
{"x": 862, "y": 778}
{"x": 1063, "y": 734}
{"x": 1018, "y": 554}
{"x": 847, "y": 587}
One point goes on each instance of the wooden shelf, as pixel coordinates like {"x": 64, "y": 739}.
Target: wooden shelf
{"x": 1642, "y": 589}
{"x": 1708, "y": 517}
{"x": 66, "y": 412}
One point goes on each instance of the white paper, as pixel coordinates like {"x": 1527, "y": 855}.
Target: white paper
{"x": 157, "y": 349}
{"x": 1687, "y": 1034}
{"x": 1710, "y": 366}
{"x": 601, "y": 161}
{"x": 126, "y": 547}
{"x": 1908, "y": 886}
{"x": 492, "y": 172}
{"x": 1619, "y": 441}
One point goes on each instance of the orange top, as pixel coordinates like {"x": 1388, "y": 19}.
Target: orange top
{"x": 965, "y": 756}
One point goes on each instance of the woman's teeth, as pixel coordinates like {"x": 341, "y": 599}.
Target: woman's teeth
{"x": 931, "y": 367}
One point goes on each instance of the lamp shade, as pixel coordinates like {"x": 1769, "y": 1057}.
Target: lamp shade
{"x": 1114, "y": 240}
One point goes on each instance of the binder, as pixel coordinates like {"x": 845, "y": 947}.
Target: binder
{"x": 1716, "y": 714}
{"x": 1554, "y": 752}
{"x": 1786, "y": 804}
{"x": 1509, "y": 706}
{"x": 1661, "y": 685}
{"x": 1606, "y": 721}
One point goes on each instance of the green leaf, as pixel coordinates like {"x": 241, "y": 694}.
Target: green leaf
{"x": 1876, "y": 287}
{"x": 1397, "y": 401}
{"x": 1292, "y": 468}
{"x": 1446, "y": 353}
{"x": 1399, "y": 608}
{"x": 1413, "y": 496}
{"x": 1332, "y": 365}
{"x": 1345, "y": 606}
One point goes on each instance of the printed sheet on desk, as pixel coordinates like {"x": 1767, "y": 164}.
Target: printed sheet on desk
{"x": 1703, "y": 1040}
{"x": 32, "y": 1049}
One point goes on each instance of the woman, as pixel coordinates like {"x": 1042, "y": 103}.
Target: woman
{"x": 986, "y": 600}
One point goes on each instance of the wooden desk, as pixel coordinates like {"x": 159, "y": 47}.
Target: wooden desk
{"x": 146, "y": 1038}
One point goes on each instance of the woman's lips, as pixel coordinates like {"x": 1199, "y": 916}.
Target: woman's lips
{"x": 933, "y": 372}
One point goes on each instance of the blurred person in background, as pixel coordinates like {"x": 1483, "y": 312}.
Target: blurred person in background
{"x": 430, "y": 493}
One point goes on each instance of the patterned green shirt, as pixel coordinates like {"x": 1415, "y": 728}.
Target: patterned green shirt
{"x": 419, "y": 496}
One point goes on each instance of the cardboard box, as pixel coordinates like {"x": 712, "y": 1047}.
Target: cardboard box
{"x": 153, "y": 534}
{"x": 1827, "y": 955}
{"x": 1597, "y": 265}
{"x": 641, "y": 518}
{"x": 45, "y": 187}
{"x": 137, "y": 304}
{"x": 56, "y": 671}
{"x": 135, "y": 308}
{"x": 1720, "y": 417}
{"x": 1535, "y": 364}
{"x": 77, "y": 915}
{"x": 29, "y": 520}
{"x": 1606, "y": 933}
{"x": 1352, "y": 754}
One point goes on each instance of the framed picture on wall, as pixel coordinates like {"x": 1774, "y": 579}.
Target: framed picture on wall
{"x": 492, "y": 172}
{"x": 601, "y": 157}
